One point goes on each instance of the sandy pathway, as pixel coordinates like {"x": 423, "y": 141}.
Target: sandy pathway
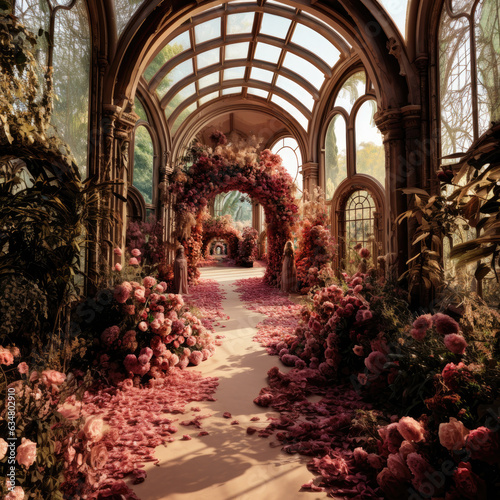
{"x": 228, "y": 464}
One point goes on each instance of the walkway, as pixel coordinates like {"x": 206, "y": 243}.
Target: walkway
{"x": 228, "y": 464}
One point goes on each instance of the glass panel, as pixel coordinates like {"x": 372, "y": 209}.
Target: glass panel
{"x": 208, "y": 80}
{"x": 34, "y": 14}
{"x": 232, "y": 90}
{"x": 139, "y": 109}
{"x": 296, "y": 91}
{"x": 487, "y": 32}
{"x": 237, "y": 50}
{"x": 279, "y": 4}
{"x": 124, "y": 10}
{"x": 209, "y": 97}
{"x": 462, "y": 6}
{"x": 143, "y": 163}
{"x": 359, "y": 220}
{"x": 234, "y": 73}
{"x": 315, "y": 43}
{"x": 457, "y": 121}
{"x": 235, "y": 204}
{"x": 240, "y": 23}
{"x": 179, "y": 44}
{"x": 288, "y": 149}
{"x": 207, "y": 31}
{"x": 72, "y": 54}
{"x": 397, "y": 10}
{"x": 179, "y": 98}
{"x": 353, "y": 88}
{"x": 370, "y": 154}
{"x": 178, "y": 73}
{"x": 257, "y": 92}
{"x": 180, "y": 119}
{"x": 320, "y": 21}
{"x": 335, "y": 155}
{"x": 276, "y": 26}
{"x": 208, "y": 58}
{"x": 262, "y": 75}
{"x": 304, "y": 68}
{"x": 290, "y": 108}
{"x": 266, "y": 52}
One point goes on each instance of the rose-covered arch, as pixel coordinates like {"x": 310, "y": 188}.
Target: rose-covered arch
{"x": 220, "y": 228}
{"x": 235, "y": 167}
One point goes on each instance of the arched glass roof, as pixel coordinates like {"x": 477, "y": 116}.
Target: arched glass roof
{"x": 254, "y": 50}
{"x": 398, "y": 10}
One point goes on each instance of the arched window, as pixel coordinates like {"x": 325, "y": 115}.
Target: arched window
{"x": 335, "y": 155}
{"x": 288, "y": 149}
{"x": 469, "y": 62}
{"x": 144, "y": 164}
{"x": 354, "y": 167}
{"x": 359, "y": 224}
{"x": 71, "y": 55}
{"x": 370, "y": 155}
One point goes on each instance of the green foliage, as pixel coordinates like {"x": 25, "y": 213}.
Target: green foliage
{"x": 47, "y": 212}
{"x": 470, "y": 197}
{"x": 143, "y": 163}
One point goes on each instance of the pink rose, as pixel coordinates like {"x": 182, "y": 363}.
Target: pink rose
{"x": 410, "y": 429}
{"x": 452, "y": 434}
{"x": 118, "y": 267}
{"x": 467, "y": 483}
{"x": 375, "y": 361}
{"x": 405, "y": 449}
{"x": 26, "y": 453}
{"x": 423, "y": 322}
{"x": 117, "y": 251}
{"x": 391, "y": 436}
{"x": 53, "y": 378}
{"x": 392, "y": 486}
{"x": 3, "y": 448}
{"x": 6, "y": 357}
{"x": 482, "y": 444}
{"x": 94, "y": 428}
{"x": 23, "y": 368}
{"x": 396, "y": 464}
{"x": 98, "y": 456}
{"x": 133, "y": 262}
{"x": 16, "y": 494}
{"x": 136, "y": 252}
{"x": 149, "y": 282}
{"x": 360, "y": 455}
{"x": 196, "y": 357}
{"x": 455, "y": 343}
{"x": 418, "y": 334}
{"x": 444, "y": 324}
{"x": 143, "y": 326}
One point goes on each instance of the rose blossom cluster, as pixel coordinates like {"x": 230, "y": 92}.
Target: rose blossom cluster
{"x": 445, "y": 326}
{"x": 339, "y": 318}
{"x": 316, "y": 250}
{"x": 157, "y": 333}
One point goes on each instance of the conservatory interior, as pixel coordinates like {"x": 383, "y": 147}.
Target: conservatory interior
{"x": 249, "y": 249}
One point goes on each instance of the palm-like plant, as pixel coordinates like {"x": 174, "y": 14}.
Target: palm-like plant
{"x": 47, "y": 211}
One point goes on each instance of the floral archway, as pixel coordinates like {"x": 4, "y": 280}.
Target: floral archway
{"x": 220, "y": 228}
{"x": 235, "y": 167}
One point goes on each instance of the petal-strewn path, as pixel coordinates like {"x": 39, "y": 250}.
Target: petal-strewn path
{"x": 228, "y": 464}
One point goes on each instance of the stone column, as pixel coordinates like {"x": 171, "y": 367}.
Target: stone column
{"x": 390, "y": 124}
{"x": 310, "y": 173}
{"x": 117, "y": 133}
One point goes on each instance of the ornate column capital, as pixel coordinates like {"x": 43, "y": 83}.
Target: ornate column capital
{"x": 412, "y": 115}
{"x": 390, "y": 124}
